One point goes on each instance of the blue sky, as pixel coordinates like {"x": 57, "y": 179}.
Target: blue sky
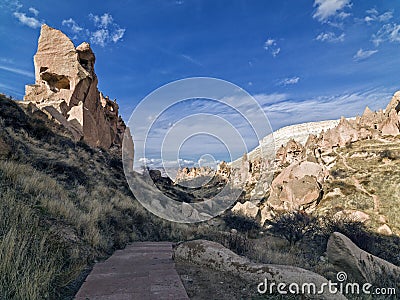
{"x": 302, "y": 60}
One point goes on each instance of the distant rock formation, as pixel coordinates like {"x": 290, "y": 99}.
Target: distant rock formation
{"x": 300, "y": 165}
{"x": 66, "y": 90}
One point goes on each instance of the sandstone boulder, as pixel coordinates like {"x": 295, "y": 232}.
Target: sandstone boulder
{"x": 391, "y": 125}
{"x": 359, "y": 264}
{"x": 247, "y": 209}
{"x": 66, "y": 88}
{"x": 394, "y": 104}
{"x": 213, "y": 255}
{"x": 352, "y": 215}
{"x": 384, "y": 229}
{"x": 297, "y": 186}
{"x": 266, "y": 214}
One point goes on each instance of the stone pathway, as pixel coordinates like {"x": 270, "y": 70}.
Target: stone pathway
{"x": 143, "y": 270}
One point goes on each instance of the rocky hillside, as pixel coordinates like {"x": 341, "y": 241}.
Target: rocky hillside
{"x": 64, "y": 200}
{"x": 297, "y": 132}
{"x": 63, "y": 204}
{"x": 349, "y": 168}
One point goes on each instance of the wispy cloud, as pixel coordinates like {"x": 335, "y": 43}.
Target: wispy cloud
{"x": 388, "y": 32}
{"x": 281, "y": 110}
{"x": 34, "y": 11}
{"x": 75, "y": 28}
{"x": 330, "y": 8}
{"x": 32, "y": 22}
{"x": 158, "y": 163}
{"x": 16, "y": 71}
{"x": 363, "y": 54}
{"x": 106, "y": 31}
{"x": 373, "y": 15}
{"x": 330, "y": 37}
{"x": 103, "y": 21}
{"x": 287, "y": 111}
{"x": 28, "y": 18}
{"x": 10, "y": 90}
{"x": 289, "y": 81}
{"x": 272, "y": 46}
{"x": 191, "y": 59}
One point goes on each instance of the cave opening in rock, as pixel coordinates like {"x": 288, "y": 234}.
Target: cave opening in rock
{"x": 56, "y": 82}
{"x": 84, "y": 63}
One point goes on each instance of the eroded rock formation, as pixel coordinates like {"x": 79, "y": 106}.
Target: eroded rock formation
{"x": 298, "y": 186}
{"x": 215, "y": 256}
{"x": 66, "y": 90}
{"x": 359, "y": 264}
{"x": 301, "y": 164}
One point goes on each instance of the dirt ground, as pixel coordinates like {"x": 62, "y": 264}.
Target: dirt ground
{"x": 203, "y": 283}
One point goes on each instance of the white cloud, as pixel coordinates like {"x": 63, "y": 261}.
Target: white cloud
{"x": 373, "y": 15}
{"x": 118, "y": 34}
{"x": 388, "y": 32}
{"x": 329, "y": 8}
{"x": 34, "y": 11}
{"x": 10, "y": 89}
{"x": 385, "y": 16}
{"x": 281, "y": 110}
{"x": 343, "y": 15}
{"x": 369, "y": 19}
{"x": 372, "y": 11}
{"x": 73, "y": 25}
{"x": 271, "y": 46}
{"x": 269, "y": 43}
{"x": 290, "y": 81}
{"x": 102, "y": 21}
{"x": 330, "y": 37}
{"x": 106, "y": 30}
{"x": 28, "y": 21}
{"x": 99, "y": 37}
{"x": 16, "y": 71}
{"x": 276, "y": 52}
{"x": 288, "y": 112}
{"x": 363, "y": 54}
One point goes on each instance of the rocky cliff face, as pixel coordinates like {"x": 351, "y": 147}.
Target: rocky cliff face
{"x": 66, "y": 90}
{"x": 300, "y": 167}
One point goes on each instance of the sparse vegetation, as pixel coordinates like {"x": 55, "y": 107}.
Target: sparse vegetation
{"x": 63, "y": 205}
{"x": 241, "y": 223}
{"x": 293, "y": 226}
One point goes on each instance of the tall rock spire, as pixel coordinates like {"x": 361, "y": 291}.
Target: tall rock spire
{"x": 66, "y": 89}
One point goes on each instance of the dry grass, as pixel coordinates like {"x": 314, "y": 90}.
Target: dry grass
{"x": 369, "y": 180}
{"x": 27, "y": 264}
{"x": 63, "y": 206}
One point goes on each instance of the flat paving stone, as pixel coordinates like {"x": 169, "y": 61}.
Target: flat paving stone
{"x": 143, "y": 270}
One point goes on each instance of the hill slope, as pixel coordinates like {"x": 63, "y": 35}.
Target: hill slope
{"x": 62, "y": 205}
